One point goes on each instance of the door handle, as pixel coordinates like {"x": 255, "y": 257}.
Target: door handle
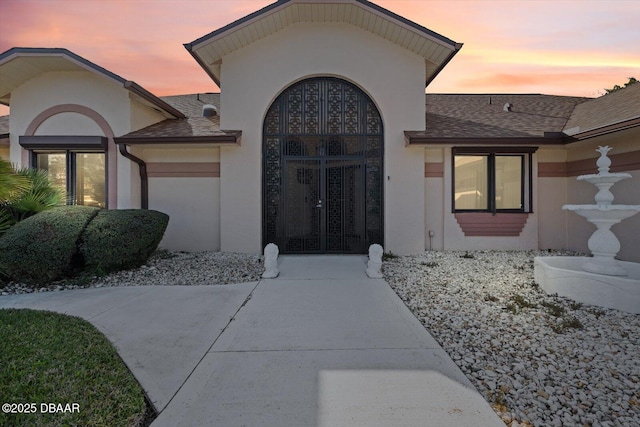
{"x": 319, "y": 205}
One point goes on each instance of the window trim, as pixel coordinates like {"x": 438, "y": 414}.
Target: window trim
{"x": 70, "y": 145}
{"x": 71, "y": 165}
{"x": 56, "y": 142}
{"x": 526, "y": 153}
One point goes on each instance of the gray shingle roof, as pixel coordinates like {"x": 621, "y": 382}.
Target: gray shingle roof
{"x": 483, "y": 115}
{"x": 447, "y": 116}
{"x": 194, "y": 125}
{"x": 454, "y": 116}
{"x": 613, "y": 108}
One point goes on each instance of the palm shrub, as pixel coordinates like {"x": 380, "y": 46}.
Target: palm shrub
{"x": 24, "y": 193}
{"x": 10, "y": 181}
{"x": 41, "y": 195}
{"x": 11, "y": 185}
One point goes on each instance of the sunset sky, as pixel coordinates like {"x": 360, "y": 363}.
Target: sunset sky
{"x": 562, "y": 47}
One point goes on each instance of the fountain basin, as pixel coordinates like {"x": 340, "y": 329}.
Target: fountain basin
{"x": 606, "y": 178}
{"x": 564, "y": 275}
{"x": 612, "y": 213}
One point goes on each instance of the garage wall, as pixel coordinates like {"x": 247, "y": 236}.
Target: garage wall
{"x": 185, "y": 184}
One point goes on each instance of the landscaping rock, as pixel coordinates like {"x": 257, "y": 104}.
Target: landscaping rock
{"x": 581, "y": 368}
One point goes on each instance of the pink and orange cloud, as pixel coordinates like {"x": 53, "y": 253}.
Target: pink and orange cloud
{"x": 559, "y": 47}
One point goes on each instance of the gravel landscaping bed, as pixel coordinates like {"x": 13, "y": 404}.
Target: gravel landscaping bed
{"x": 167, "y": 268}
{"x": 538, "y": 359}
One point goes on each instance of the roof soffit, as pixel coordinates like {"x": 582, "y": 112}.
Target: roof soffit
{"x": 19, "y": 65}
{"x": 211, "y": 48}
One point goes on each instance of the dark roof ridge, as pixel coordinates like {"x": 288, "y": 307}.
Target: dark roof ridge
{"x": 508, "y": 94}
{"x": 189, "y": 94}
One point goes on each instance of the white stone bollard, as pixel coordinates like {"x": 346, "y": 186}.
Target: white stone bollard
{"x": 270, "y": 261}
{"x": 374, "y": 265}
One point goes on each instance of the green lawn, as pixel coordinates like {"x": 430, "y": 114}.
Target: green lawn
{"x": 53, "y": 358}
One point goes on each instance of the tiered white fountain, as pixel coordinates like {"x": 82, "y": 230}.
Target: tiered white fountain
{"x": 600, "y": 280}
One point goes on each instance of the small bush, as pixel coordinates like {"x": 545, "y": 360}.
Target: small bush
{"x": 566, "y": 323}
{"x": 489, "y": 297}
{"x": 121, "y": 239}
{"x": 430, "y": 264}
{"x": 41, "y": 248}
{"x": 522, "y": 302}
{"x": 388, "y": 256}
{"x": 554, "y": 309}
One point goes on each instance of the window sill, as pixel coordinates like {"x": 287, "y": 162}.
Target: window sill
{"x": 487, "y": 224}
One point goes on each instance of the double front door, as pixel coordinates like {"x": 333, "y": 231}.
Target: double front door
{"x": 324, "y": 205}
{"x": 322, "y": 182}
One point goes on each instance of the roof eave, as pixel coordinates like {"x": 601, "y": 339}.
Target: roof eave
{"x": 201, "y": 42}
{"x": 151, "y": 98}
{"x": 189, "y": 47}
{"x": 229, "y": 138}
{"x": 457, "y": 47}
{"x": 15, "y": 52}
{"x": 413, "y": 138}
{"x": 91, "y": 67}
{"x": 207, "y": 37}
{"x": 607, "y": 129}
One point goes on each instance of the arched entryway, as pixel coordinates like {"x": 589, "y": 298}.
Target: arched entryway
{"x": 322, "y": 154}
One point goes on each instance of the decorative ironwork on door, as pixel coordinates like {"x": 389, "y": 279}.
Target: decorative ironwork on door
{"x": 323, "y": 169}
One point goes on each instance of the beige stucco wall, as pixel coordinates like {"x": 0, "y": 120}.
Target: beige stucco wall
{"x": 142, "y": 115}
{"x": 251, "y": 78}
{"x": 69, "y": 124}
{"x": 551, "y": 195}
{"x": 193, "y": 204}
{"x": 194, "y": 212}
{"x": 433, "y": 206}
{"x": 107, "y": 98}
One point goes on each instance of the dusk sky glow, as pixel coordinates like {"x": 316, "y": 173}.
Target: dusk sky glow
{"x": 561, "y": 47}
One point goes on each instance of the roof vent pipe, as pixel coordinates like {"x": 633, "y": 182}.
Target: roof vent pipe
{"x": 507, "y": 107}
{"x": 209, "y": 110}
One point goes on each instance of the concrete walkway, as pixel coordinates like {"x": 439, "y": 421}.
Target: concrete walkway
{"x": 321, "y": 345}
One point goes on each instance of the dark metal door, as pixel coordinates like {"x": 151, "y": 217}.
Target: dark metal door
{"x": 324, "y": 205}
{"x": 303, "y": 213}
{"x": 344, "y": 197}
{"x": 322, "y": 169}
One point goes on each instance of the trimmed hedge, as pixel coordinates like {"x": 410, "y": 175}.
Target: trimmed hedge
{"x": 68, "y": 240}
{"x": 121, "y": 239}
{"x": 41, "y": 248}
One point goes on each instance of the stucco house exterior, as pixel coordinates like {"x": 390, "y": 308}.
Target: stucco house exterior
{"x": 322, "y": 140}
